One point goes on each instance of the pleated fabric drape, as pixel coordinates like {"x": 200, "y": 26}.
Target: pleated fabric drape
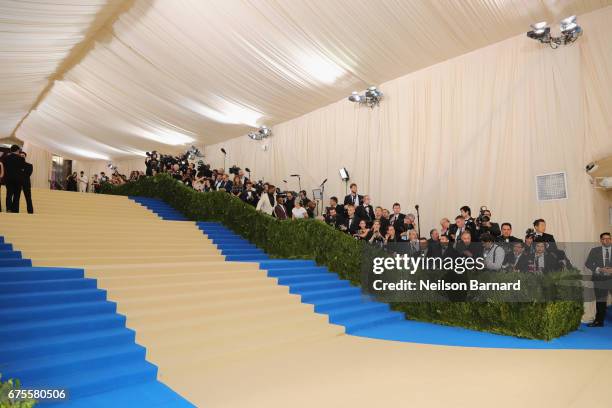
{"x": 473, "y": 130}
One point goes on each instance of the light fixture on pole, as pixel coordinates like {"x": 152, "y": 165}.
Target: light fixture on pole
{"x": 370, "y": 98}
{"x": 345, "y": 177}
{"x": 224, "y": 157}
{"x": 299, "y": 180}
{"x": 569, "y": 32}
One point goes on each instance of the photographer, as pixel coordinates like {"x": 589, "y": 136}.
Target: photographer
{"x": 290, "y": 201}
{"x": 376, "y": 236}
{"x": 484, "y": 224}
{"x": 280, "y": 211}
{"x": 237, "y": 186}
{"x": 249, "y": 195}
{"x": 152, "y": 163}
{"x": 493, "y": 254}
{"x": 333, "y": 218}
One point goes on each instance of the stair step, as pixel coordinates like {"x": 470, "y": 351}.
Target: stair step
{"x": 59, "y": 311}
{"x": 363, "y": 322}
{"x": 314, "y": 296}
{"x": 307, "y": 278}
{"x": 31, "y": 330}
{"x": 66, "y": 343}
{"x": 46, "y": 285}
{"x": 49, "y": 298}
{"x": 6, "y": 254}
{"x": 311, "y": 270}
{"x": 100, "y": 380}
{"x": 84, "y": 361}
{"x": 286, "y": 263}
{"x": 309, "y": 287}
{"x": 7, "y": 262}
{"x": 339, "y": 302}
{"x": 23, "y": 273}
{"x": 355, "y": 310}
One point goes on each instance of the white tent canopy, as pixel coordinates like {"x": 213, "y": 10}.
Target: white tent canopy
{"x": 114, "y": 79}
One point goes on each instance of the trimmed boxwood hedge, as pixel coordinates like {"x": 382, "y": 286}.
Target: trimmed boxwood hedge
{"x": 308, "y": 239}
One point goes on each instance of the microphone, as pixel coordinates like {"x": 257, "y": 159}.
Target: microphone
{"x": 247, "y": 169}
{"x": 284, "y": 181}
{"x": 294, "y": 175}
{"x": 416, "y": 207}
{"x": 324, "y": 181}
{"x": 223, "y": 151}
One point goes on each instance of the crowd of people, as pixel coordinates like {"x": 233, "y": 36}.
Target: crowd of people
{"x": 15, "y": 173}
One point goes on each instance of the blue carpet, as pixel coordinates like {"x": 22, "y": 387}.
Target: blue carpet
{"x": 361, "y": 315}
{"x": 58, "y": 330}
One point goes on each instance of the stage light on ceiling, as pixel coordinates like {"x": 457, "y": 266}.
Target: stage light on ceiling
{"x": 370, "y": 98}
{"x": 570, "y": 31}
{"x": 261, "y": 133}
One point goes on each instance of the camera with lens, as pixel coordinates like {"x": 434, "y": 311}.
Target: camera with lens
{"x": 482, "y": 217}
{"x": 204, "y": 169}
{"x": 234, "y": 170}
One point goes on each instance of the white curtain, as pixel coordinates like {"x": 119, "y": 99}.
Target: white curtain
{"x": 168, "y": 73}
{"x": 473, "y": 130}
{"x": 41, "y": 161}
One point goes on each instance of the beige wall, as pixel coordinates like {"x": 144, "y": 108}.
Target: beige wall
{"x": 473, "y": 130}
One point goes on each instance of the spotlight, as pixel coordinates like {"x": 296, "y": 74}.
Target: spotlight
{"x": 370, "y": 98}
{"x": 261, "y": 133}
{"x": 344, "y": 174}
{"x": 570, "y": 31}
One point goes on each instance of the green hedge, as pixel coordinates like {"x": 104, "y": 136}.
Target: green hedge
{"x": 308, "y": 239}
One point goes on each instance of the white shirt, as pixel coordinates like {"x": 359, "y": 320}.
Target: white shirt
{"x": 494, "y": 258}
{"x": 606, "y": 257}
{"x": 298, "y": 212}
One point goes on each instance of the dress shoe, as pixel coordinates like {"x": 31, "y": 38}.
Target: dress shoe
{"x": 595, "y": 324}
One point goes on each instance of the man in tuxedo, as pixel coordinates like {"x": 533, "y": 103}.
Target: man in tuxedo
{"x": 506, "y": 239}
{"x": 544, "y": 261}
{"x": 397, "y": 218}
{"x": 27, "y": 185}
{"x": 458, "y": 228}
{"x": 490, "y": 226}
{"x": 365, "y": 211}
{"x": 14, "y": 173}
{"x": 333, "y": 203}
{"x": 466, "y": 213}
{"x": 599, "y": 262}
{"x": 541, "y": 236}
{"x": 353, "y": 198}
{"x": 351, "y": 224}
{"x": 333, "y": 218}
{"x": 280, "y": 211}
{"x": 517, "y": 259}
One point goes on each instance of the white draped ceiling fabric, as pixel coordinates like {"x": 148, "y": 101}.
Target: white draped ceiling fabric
{"x": 164, "y": 74}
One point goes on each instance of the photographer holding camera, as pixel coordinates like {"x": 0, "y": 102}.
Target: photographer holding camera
{"x": 152, "y": 163}
{"x": 484, "y": 224}
{"x": 249, "y": 194}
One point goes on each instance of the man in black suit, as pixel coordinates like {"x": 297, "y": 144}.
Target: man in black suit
{"x": 517, "y": 259}
{"x": 353, "y": 198}
{"x": 506, "y": 239}
{"x": 350, "y": 225}
{"x": 365, "y": 211}
{"x": 289, "y": 202}
{"x": 27, "y": 184}
{"x": 332, "y": 218}
{"x": 599, "y": 262}
{"x": 14, "y": 173}
{"x": 466, "y": 248}
{"x": 333, "y": 203}
{"x": 544, "y": 261}
{"x": 397, "y": 218}
{"x": 541, "y": 236}
{"x": 459, "y": 227}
